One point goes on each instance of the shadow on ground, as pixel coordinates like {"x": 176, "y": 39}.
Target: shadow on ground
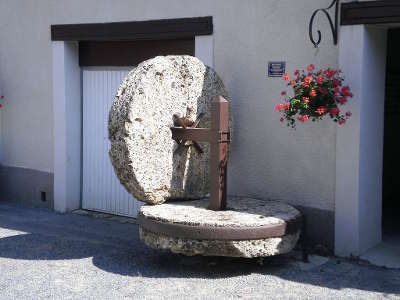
{"x": 36, "y": 234}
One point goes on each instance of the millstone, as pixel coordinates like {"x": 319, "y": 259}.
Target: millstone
{"x": 144, "y": 156}
{"x": 248, "y": 228}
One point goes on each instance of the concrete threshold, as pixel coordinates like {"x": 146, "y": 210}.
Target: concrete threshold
{"x": 384, "y": 255}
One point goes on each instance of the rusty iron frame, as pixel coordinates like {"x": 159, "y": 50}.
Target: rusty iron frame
{"x": 230, "y": 233}
{"x": 181, "y": 123}
{"x": 218, "y": 136}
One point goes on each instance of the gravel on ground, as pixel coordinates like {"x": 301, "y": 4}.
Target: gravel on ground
{"x": 46, "y": 255}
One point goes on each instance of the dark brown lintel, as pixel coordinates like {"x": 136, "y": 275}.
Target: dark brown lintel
{"x": 134, "y": 31}
{"x": 130, "y": 53}
{"x": 371, "y": 12}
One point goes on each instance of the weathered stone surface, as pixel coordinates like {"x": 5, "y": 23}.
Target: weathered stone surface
{"x": 246, "y": 248}
{"x": 241, "y": 212}
{"x": 142, "y": 151}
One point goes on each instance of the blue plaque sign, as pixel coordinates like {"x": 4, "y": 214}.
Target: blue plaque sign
{"x": 276, "y": 68}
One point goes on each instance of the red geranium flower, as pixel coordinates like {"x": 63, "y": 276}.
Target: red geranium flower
{"x": 316, "y": 95}
{"x": 321, "y": 110}
{"x": 346, "y": 92}
{"x": 280, "y": 106}
{"x": 322, "y": 91}
{"x": 330, "y": 73}
{"x": 303, "y": 118}
{"x": 285, "y": 77}
{"x": 308, "y": 79}
{"x": 342, "y": 100}
{"x": 336, "y": 83}
{"x": 334, "y": 111}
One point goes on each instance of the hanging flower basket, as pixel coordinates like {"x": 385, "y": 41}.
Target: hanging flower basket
{"x": 317, "y": 94}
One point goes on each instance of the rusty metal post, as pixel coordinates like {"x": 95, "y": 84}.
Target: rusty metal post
{"x": 219, "y": 152}
{"x": 218, "y": 136}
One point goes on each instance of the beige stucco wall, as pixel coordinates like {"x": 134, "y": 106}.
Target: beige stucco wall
{"x": 268, "y": 160}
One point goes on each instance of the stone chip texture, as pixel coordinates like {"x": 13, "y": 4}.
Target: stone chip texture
{"x": 243, "y": 248}
{"x": 241, "y": 212}
{"x": 142, "y": 150}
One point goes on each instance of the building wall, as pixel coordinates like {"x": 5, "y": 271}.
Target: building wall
{"x": 358, "y": 202}
{"x": 268, "y": 160}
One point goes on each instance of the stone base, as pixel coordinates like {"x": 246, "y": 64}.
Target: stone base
{"x": 246, "y": 248}
{"x": 248, "y": 228}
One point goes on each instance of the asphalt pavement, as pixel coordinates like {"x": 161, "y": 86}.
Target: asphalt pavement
{"x": 46, "y": 255}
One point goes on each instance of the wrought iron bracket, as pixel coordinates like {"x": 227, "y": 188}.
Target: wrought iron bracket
{"x": 333, "y": 24}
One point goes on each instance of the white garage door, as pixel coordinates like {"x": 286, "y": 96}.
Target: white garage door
{"x": 101, "y": 189}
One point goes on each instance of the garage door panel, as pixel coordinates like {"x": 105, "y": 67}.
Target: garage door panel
{"x": 101, "y": 190}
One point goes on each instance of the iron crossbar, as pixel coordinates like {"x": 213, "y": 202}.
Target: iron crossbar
{"x": 218, "y": 136}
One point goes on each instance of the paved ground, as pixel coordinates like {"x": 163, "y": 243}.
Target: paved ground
{"x": 47, "y": 255}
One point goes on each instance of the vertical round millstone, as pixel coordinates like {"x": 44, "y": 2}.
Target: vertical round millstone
{"x": 145, "y": 158}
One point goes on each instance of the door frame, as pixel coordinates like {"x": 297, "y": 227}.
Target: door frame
{"x": 67, "y": 86}
{"x": 359, "y": 144}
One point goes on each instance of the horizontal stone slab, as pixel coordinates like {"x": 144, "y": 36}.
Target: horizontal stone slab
{"x": 248, "y": 228}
